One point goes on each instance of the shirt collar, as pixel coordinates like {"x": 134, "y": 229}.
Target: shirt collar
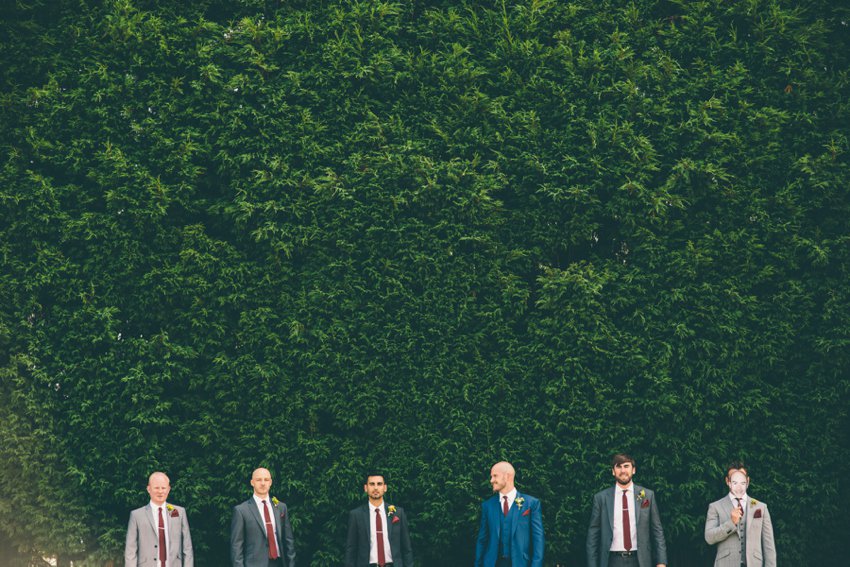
{"x": 734, "y": 499}
{"x": 511, "y": 496}
{"x": 155, "y": 506}
{"x": 619, "y": 489}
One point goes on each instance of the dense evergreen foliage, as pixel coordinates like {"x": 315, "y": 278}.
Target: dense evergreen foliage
{"x": 324, "y": 236}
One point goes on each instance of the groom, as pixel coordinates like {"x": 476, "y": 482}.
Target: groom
{"x": 511, "y": 532}
{"x": 377, "y": 533}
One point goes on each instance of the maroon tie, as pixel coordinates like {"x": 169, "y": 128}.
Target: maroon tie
{"x": 505, "y": 505}
{"x": 270, "y": 532}
{"x": 627, "y": 526}
{"x": 379, "y": 535}
{"x": 740, "y": 508}
{"x": 161, "y": 538}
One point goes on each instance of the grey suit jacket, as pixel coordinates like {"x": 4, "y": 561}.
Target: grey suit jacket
{"x": 651, "y": 546}
{"x": 249, "y": 545}
{"x": 720, "y": 530}
{"x": 142, "y": 546}
{"x": 359, "y": 541}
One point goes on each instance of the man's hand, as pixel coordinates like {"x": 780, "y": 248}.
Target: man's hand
{"x": 736, "y": 515}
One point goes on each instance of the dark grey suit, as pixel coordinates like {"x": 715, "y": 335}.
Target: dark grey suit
{"x": 359, "y": 541}
{"x": 651, "y": 547}
{"x": 249, "y": 546}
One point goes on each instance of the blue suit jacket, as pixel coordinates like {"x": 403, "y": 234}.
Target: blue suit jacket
{"x": 525, "y": 524}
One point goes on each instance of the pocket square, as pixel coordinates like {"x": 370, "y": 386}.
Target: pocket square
{"x": 757, "y": 514}
{"x": 282, "y": 513}
{"x": 396, "y": 519}
{"x": 527, "y": 512}
{"x": 645, "y": 504}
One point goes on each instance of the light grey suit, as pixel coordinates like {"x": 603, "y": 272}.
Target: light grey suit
{"x": 651, "y": 547}
{"x": 142, "y": 546}
{"x": 756, "y": 528}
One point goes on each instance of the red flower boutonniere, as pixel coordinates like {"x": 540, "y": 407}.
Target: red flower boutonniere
{"x": 391, "y": 514}
{"x": 172, "y": 511}
{"x": 645, "y": 504}
{"x": 757, "y": 514}
{"x": 527, "y": 512}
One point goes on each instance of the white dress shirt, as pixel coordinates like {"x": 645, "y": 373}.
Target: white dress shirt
{"x": 618, "y": 544}
{"x": 165, "y": 514}
{"x": 511, "y": 497}
{"x": 373, "y": 545}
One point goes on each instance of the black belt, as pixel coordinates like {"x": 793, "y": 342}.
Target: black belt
{"x": 624, "y": 553}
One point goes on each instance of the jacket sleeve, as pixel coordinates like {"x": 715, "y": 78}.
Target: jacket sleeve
{"x": 659, "y": 545}
{"x": 716, "y": 528}
{"x": 483, "y": 535}
{"x": 537, "y": 540}
{"x": 288, "y": 538}
{"x": 768, "y": 546}
{"x": 131, "y": 545}
{"x": 188, "y": 554}
{"x": 351, "y": 540}
{"x": 237, "y": 539}
{"x": 594, "y": 532}
{"x": 406, "y": 547}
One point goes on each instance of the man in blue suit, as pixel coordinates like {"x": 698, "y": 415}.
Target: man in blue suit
{"x": 625, "y": 527}
{"x": 511, "y": 532}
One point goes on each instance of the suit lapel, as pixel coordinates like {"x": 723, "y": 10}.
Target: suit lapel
{"x": 149, "y": 510}
{"x": 514, "y": 513}
{"x": 389, "y": 521}
{"x": 278, "y": 522}
{"x": 609, "y": 499}
{"x": 638, "y": 504}
{"x": 252, "y": 506}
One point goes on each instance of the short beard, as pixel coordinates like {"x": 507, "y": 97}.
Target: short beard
{"x": 621, "y": 483}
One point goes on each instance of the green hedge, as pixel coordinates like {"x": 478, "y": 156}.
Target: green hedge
{"x": 423, "y": 236}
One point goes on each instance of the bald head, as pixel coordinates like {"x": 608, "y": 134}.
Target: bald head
{"x": 502, "y": 477}
{"x": 261, "y": 481}
{"x": 158, "y": 487}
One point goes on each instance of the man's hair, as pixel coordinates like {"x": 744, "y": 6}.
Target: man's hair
{"x": 374, "y": 473}
{"x": 620, "y": 458}
{"x": 736, "y": 466}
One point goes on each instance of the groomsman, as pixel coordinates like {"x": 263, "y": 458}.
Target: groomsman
{"x": 740, "y": 526}
{"x": 260, "y": 531}
{"x": 377, "y": 533}
{"x": 511, "y": 531}
{"x": 625, "y": 527}
{"x": 158, "y": 534}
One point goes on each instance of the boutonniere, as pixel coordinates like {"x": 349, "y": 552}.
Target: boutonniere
{"x": 391, "y": 514}
{"x": 753, "y": 501}
{"x": 519, "y": 501}
{"x": 641, "y": 495}
{"x": 276, "y": 502}
{"x": 172, "y": 511}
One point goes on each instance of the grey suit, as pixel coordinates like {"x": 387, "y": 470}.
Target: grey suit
{"x": 249, "y": 545}
{"x": 358, "y": 544}
{"x": 142, "y": 546}
{"x": 756, "y": 529}
{"x": 651, "y": 547}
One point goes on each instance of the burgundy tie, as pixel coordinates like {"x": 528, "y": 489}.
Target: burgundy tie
{"x": 505, "y": 505}
{"x": 379, "y": 535}
{"x": 161, "y": 538}
{"x": 627, "y": 526}
{"x": 740, "y": 508}
{"x": 270, "y": 532}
